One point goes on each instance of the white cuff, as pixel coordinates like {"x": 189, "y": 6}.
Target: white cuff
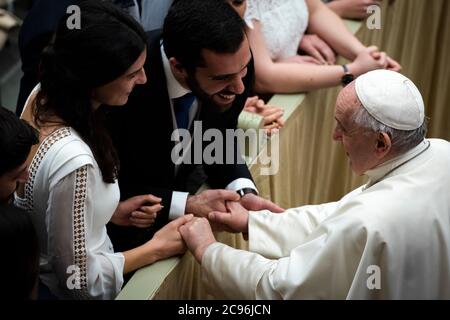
{"x": 241, "y": 183}
{"x": 178, "y": 204}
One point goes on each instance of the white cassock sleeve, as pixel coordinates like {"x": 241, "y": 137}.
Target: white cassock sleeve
{"x": 319, "y": 264}
{"x": 78, "y": 243}
{"x": 275, "y": 235}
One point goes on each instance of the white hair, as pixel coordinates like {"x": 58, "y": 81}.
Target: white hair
{"x": 402, "y": 140}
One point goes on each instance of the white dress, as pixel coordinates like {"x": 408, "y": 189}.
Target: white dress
{"x": 389, "y": 239}
{"x": 71, "y": 206}
{"x": 283, "y": 24}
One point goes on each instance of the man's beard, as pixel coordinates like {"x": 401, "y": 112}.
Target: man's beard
{"x": 206, "y": 99}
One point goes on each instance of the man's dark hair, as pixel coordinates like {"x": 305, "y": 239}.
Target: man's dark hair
{"x": 194, "y": 25}
{"x": 16, "y": 139}
{"x": 19, "y": 243}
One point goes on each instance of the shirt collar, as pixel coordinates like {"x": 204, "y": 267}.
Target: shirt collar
{"x": 378, "y": 173}
{"x": 174, "y": 88}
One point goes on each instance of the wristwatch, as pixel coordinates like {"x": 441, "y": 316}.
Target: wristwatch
{"x": 347, "y": 77}
{"x": 242, "y": 192}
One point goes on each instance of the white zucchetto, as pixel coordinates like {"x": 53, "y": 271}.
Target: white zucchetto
{"x": 391, "y": 98}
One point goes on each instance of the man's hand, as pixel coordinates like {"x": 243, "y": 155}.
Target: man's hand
{"x": 255, "y": 203}
{"x": 314, "y": 46}
{"x": 210, "y": 200}
{"x": 198, "y": 236}
{"x": 139, "y": 211}
{"x": 235, "y": 220}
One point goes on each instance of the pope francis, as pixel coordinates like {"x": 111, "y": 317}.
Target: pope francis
{"x": 389, "y": 239}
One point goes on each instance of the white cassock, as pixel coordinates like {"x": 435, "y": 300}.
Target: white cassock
{"x": 389, "y": 239}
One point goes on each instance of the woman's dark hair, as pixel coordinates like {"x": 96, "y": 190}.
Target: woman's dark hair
{"x": 19, "y": 243}
{"x": 77, "y": 61}
{"x": 194, "y": 25}
{"x": 16, "y": 139}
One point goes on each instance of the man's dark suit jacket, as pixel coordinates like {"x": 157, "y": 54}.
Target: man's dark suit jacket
{"x": 141, "y": 131}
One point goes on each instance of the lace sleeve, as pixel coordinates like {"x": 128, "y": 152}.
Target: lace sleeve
{"x": 83, "y": 267}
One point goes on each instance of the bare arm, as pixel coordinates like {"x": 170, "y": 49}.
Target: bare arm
{"x": 283, "y": 77}
{"x": 165, "y": 243}
{"x": 329, "y": 26}
{"x": 352, "y": 9}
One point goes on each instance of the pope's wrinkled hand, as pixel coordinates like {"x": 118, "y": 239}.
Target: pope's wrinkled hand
{"x": 197, "y": 235}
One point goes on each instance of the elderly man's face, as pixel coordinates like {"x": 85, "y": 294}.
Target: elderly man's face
{"x": 359, "y": 144}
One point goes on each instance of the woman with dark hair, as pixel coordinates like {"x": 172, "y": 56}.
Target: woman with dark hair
{"x": 72, "y": 187}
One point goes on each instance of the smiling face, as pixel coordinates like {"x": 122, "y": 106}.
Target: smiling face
{"x": 220, "y": 79}
{"x": 9, "y": 181}
{"x": 359, "y": 144}
{"x": 116, "y": 93}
